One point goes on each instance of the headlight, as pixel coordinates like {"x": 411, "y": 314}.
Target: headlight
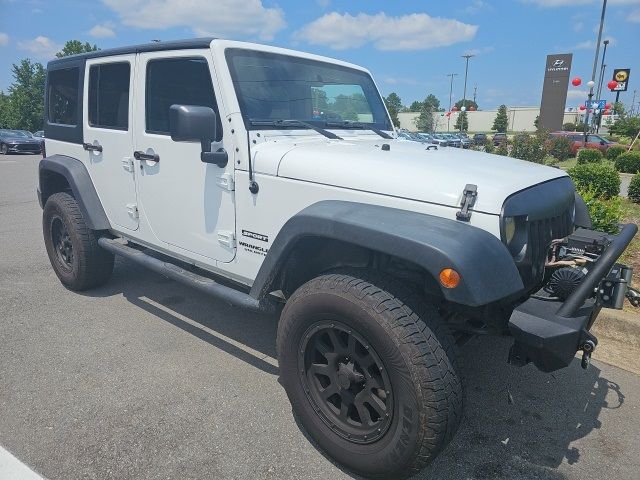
{"x": 509, "y": 229}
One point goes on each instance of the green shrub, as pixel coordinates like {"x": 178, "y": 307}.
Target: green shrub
{"x": 615, "y": 151}
{"x": 601, "y": 178}
{"x": 634, "y": 189}
{"x": 502, "y": 149}
{"x": 560, "y": 148}
{"x": 569, "y": 127}
{"x": 605, "y": 213}
{"x": 532, "y": 148}
{"x": 589, "y": 155}
{"x": 628, "y": 162}
{"x": 488, "y": 145}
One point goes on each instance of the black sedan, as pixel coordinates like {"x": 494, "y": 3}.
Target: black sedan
{"x": 15, "y": 141}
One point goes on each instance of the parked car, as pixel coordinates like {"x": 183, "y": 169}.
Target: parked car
{"x": 440, "y": 140}
{"x": 427, "y": 138}
{"x": 454, "y": 141}
{"x": 39, "y": 134}
{"x": 15, "y": 141}
{"x": 381, "y": 256}
{"x": 577, "y": 141}
{"x": 480, "y": 139}
{"x": 464, "y": 139}
{"x": 499, "y": 139}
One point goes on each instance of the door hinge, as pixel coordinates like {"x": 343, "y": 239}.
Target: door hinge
{"x": 469, "y": 195}
{"x": 127, "y": 164}
{"x": 227, "y": 238}
{"x": 132, "y": 210}
{"x": 225, "y": 181}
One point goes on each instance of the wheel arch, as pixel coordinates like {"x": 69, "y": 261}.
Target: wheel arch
{"x": 331, "y": 234}
{"x": 59, "y": 173}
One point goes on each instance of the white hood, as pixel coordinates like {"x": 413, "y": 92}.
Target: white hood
{"x": 406, "y": 170}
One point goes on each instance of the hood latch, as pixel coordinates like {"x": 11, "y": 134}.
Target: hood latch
{"x": 469, "y": 195}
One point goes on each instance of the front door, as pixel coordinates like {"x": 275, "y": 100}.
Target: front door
{"x": 108, "y": 136}
{"x": 188, "y": 204}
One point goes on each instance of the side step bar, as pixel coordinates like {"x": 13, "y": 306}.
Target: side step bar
{"x": 199, "y": 282}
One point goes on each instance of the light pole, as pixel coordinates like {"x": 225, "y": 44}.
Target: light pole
{"x": 602, "y": 67}
{"x": 450, "y": 93}
{"x": 463, "y": 108}
{"x": 592, "y": 82}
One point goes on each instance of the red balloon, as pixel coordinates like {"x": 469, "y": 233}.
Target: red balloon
{"x": 607, "y": 106}
{"x": 576, "y": 82}
{"x": 448, "y": 114}
{"x": 472, "y": 109}
{"x": 606, "y": 112}
{"x": 454, "y": 109}
{"x": 612, "y": 84}
{"x": 582, "y": 107}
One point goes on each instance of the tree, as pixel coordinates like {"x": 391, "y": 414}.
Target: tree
{"x": 536, "y": 122}
{"x": 501, "y": 122}
{"x": 74, "y": 47}
{"x": 416, "y": 106}
{"x": 467, "y": 103}
{"x": 424, "y": 122}
{"x": 23, "y": 107}
{"x": 462, "y": 122}
{"x": 433, "y": 101}
{"x": 627, "y": 126}
{"x": 394, "y": 105}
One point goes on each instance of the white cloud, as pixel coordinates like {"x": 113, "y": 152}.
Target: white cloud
{"x": 40, "y": 47}
{"x": 476, "y": 6}
{"x": 576, "y": 94}
{"x": 417, "y": 31}
{"x": 4, "y": 39}
{"x": 634, "y": 16}
{"x": 219, "y": 18}
{"x": 102, "y": 31}
{"x": 479, "y": 51}
{"x": 591, "y": 45}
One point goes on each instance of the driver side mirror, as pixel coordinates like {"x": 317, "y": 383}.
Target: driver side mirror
{"x": 188, "y": 123}
{"x": 602, "y": 142}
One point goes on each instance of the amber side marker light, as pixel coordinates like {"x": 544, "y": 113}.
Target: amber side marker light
{"x": 449, "y": 278}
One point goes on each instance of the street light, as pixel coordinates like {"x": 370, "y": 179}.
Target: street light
{"x": 450, "y": 93}
{"x": 592, "y": 82}
{"x": 464, "y": 94}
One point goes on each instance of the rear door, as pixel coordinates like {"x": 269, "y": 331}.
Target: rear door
{"x": 108, "y": 136}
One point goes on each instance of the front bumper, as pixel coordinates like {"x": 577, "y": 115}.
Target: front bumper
{"x": 23, "y": 148}
{"x": 549, "y": 333}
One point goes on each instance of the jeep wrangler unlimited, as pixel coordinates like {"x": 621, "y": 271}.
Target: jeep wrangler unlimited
{"x": 265, "y": 176}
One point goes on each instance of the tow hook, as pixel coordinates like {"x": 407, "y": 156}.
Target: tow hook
{"x": 633, "y": 296}
{"x": 587, "y": 349}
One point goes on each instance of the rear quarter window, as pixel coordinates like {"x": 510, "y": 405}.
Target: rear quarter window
{"x": 62, "y": 96}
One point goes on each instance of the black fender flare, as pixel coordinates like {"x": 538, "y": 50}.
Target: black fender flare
{"x": 77, "y": 176}
{"x": 485, "y": 265}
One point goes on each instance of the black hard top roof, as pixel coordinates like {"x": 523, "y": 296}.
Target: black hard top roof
{"x": 145, "y": 47}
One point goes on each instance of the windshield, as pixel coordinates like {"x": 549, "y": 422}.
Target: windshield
{"x": 281, "y": 87}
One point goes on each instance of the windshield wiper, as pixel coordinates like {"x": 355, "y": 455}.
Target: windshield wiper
{"x": 293, "y": 123}
{"x": 360, "y": 125}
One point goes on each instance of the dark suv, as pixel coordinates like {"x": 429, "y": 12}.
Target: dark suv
{"x": 499, "y": 139}
{"x": 480, "y": 139}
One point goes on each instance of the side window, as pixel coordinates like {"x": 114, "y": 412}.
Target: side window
{"x": 109, "y": 95}
{"x": 171, "y": 81}
{"x": 593, "y": 139}
{"x": 63, "y": 96}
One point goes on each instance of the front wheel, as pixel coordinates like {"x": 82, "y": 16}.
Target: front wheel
{"x": 4, "y": 149}
{"x": 370, "y": 371}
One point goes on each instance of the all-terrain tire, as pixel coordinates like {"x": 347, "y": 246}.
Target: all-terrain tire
{"x": 410, "y": 340}
{"x": 79, "y": 262}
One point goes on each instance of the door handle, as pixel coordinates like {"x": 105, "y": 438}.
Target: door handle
{"x": 91, "y": 147}
{"x": 151, "y": 157}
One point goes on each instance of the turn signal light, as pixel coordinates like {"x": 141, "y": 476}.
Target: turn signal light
{"x": 449, "y": 278}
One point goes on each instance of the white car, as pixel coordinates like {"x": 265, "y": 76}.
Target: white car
{"x": 267, "y": 176}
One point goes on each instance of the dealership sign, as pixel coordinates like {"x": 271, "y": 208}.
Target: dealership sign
{"x": 621, "y": 77}
{"x": 595, "y": 104}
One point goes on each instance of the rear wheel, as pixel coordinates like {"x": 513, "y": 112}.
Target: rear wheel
{"x": 73, "y": 247}
{"x": 371, "y": 372}
{"x": 4, "y": 149}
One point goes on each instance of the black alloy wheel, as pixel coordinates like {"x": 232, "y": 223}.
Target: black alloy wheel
{"x": 345, "y": 380}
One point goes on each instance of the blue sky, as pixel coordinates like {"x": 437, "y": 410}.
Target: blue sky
{"x": 409, "y": 45}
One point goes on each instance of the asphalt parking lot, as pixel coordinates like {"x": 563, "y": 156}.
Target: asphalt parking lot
{"x": 146, "y": 379}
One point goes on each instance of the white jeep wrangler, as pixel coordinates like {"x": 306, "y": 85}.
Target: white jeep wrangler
{"x": 265, "y": 176}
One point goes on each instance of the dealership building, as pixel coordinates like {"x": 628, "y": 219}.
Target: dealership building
{"x": 521, "y": 119}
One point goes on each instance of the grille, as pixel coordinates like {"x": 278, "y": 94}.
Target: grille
{"x": 27, "y": 147}
{"x": 541, "y": 233}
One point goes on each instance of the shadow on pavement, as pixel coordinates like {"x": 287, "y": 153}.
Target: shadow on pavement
{"x": 519, "y": 422}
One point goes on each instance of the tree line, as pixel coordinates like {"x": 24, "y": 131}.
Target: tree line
{"x": 21, "y": 106}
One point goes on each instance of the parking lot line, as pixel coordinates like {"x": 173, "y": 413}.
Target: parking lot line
{"x": 8, "y": 161}
{"x": 11, "y": 467}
